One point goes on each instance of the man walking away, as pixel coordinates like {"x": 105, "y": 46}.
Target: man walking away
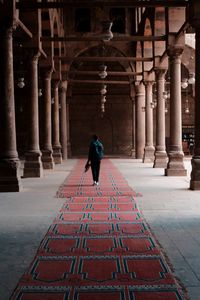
{"x": 95, "y": 156}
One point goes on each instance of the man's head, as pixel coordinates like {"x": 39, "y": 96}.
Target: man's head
{"x": 95, "y": 137}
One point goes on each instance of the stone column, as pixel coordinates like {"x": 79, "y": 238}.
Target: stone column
{"x": 10, "y": 180}
{"x": 63, "y": 90}
{"x": 47, "y": 158}
{"x": 161, "y": 157}
{"x": 149, "y": 148}
{"x": 133, "y": 127}
{"x": 33, "y": 165}
{"x": 140, "y": 120}
{"x": 195, "y": 22}
{"x": 68, "y": 134}
{"x": 56, "y": 126}
{"x": 175, "y": 166}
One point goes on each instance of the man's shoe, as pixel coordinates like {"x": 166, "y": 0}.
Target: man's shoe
{"x": 97, "y": 183}
{"x": 94, "y": 183}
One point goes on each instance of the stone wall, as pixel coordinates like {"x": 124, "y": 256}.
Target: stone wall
{"x": 114, "y": 127}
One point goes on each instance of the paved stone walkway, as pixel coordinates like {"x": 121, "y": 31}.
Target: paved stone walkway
{"x": 170, "y": 208}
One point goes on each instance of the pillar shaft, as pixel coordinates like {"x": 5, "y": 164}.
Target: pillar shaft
{"x": 9, "y": 162}
{"x": 175, "y": 166}
{"x": 33, "y": 166}
{"x": 47, "y": 142}
{"x": 133, "y": 128}
{"x": 175, "y": 104}
{"x": 160, "y": 153}
{"x": 47, "y": 158}
{"x": 34, "y": 128}
{"x": 195, "y": 174}
{"x": 69, "y": 151}
{"x": 56, "y": 127}
{"x": 63, "y": 116}
{"x": 149, "y": 148}
{"x": 140, "y": 120}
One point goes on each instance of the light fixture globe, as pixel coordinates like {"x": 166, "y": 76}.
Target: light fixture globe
{"x": 165, "y": 96}
{"x": 187, "y": 111}
{"x": 103, "y": 99}
{"x": 21, "y": 83}
{"x": 191, "y": 79}
{"x": 40, "y": 93}
{"x": 103, "y": 90}
{"x": 107, "y": 34}
{"x": 102, "y": 108}
{"x": 184, "y": 83}
{"x": 103, "y": 74}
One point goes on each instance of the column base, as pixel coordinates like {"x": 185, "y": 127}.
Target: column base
{"x": 64, "y": 153}
{"x": 133, "y": 153}
{"x": 175, "y": 166}
{"x": 161, "y": 159}
{"x": 195, "y": 174}
{"x": 57, "y": 156}
{"x": 148, "y": 154}
{"x": 47, "y": 160}
{"x": 33, "y": 165}
{"x": 69, "y": 150}
{"x": 10, "y": 180}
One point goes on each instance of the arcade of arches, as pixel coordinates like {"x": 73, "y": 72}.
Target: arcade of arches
{"x": 52, "y": 97}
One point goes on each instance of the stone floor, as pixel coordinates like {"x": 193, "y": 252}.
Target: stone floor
{"x": 169, "y": 207}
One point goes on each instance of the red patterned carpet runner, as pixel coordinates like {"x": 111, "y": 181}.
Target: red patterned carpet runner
{"x": 98, "y": 247}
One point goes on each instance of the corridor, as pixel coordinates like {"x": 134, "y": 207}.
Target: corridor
{"x": 171, "y": 210}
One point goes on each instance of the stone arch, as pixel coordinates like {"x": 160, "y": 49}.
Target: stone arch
{"x": 107, "y": 51}
{"x": 118, "y": 107}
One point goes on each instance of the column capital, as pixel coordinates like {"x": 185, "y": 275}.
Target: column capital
{"x": 9, "y": 24}
{"x": 148, "y": 82}
{"x": 132, "y": 100}
{"x": 7, "y": 30}
{"x": 34, "y": 55}
{"x": 47, "y": 73}
{"x": 160, "y": 73}
{"x": 63, "y": 86}
{"x": 174, "y": 52}
{"x": 149, "y": 78}
{"x": 140, "y": 89}
{"x": 56, "y": 83}
{"x": 175, "y": 47}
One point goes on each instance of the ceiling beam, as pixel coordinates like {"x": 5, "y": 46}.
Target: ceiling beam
{"x": 78, "y": 81}
{"x": 129, "y": 38}
{"x": 103, "y": 58}
{"x": 126, "y": 3}
{"x": 24, "y": 28}
{"x": 115, "y": 73}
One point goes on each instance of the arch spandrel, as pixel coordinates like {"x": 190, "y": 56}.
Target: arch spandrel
{"x": 139, "y": 66}
{"x": 176, "y": 18}
{"x": 148, "y": 46}
{"x": 159, "y": 30}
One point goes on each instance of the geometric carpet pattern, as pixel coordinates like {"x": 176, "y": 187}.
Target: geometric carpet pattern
{"x": 98, "y": 247}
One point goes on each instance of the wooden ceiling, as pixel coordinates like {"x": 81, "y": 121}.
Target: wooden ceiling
{"x": 126, "y": 3}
